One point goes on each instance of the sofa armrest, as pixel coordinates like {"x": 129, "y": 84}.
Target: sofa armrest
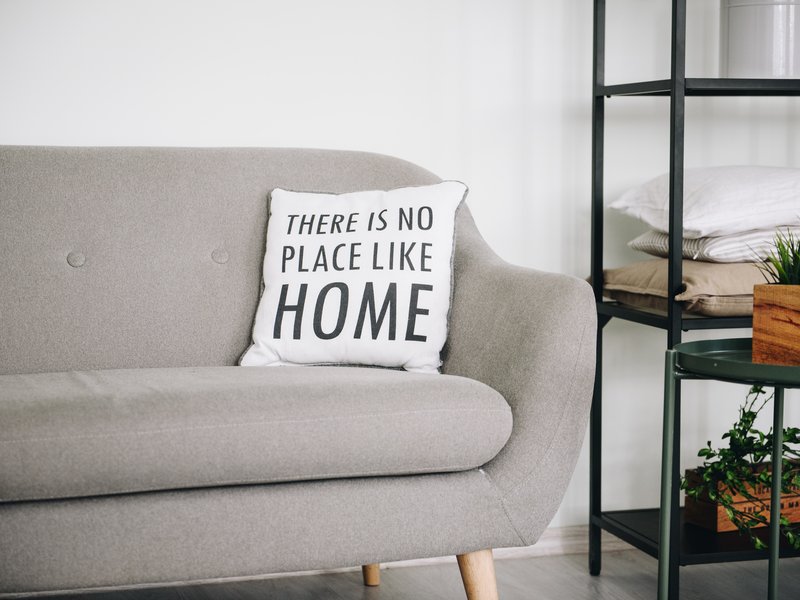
{"x": 531, "y": 336}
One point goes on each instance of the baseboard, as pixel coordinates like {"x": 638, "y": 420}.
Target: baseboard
{"x": 554, "y": 541}
{"x": 564, "y": 540}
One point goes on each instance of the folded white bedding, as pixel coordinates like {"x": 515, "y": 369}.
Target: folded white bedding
{"x": 720, "y": 201}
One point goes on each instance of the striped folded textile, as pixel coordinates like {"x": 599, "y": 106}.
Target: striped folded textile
{"x": 748, "y": 246}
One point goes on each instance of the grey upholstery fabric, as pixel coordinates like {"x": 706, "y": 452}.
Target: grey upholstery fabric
{"x": 167, "y": 246}
{"x": 531, "y": 336}
{"x": 87, "y": 433}
{"x": 212, "y": 533}
{"x": 149, "y": 293}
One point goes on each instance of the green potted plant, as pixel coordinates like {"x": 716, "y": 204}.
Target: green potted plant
{"x": 731, "y": 489}
{"x": 776, "y": 304}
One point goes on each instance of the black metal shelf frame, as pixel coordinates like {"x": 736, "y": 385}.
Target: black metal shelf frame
{"x": 705, "y": 87}
{"x": 698, "y": 546}
{"x": 637, "y": 527}
{"x": 660, "y": 319}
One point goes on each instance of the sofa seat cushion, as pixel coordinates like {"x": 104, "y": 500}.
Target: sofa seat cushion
{"x": 88, "y": 433}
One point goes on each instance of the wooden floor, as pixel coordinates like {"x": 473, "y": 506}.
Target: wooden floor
{"x": 627, "y": 575}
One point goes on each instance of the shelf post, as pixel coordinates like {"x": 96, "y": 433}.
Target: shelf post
{"x": 595, "y": 462}
{"x": 677, "y": 120}
{"x": 775, "y": 495}
{"x": 598, "y": 129}
{"x": 596, "y": 420}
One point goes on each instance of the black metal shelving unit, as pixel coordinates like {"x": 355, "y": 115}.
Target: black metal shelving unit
{"x": 640, "y": 527}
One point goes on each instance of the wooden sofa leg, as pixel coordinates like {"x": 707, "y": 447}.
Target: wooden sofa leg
{"x": 372, "y": 574}
{"x": 477, "y": 573}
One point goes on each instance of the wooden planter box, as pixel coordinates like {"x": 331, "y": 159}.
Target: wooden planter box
{"x": 776, "y": 324}
{"x": 710, "y": 515}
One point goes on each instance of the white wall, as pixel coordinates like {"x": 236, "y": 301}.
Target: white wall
{"x": 497, "y": 94}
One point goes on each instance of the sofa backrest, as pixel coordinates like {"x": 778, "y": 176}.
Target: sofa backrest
{"x": 147, "y": 257}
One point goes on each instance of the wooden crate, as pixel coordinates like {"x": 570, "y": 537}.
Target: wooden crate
{"x": 709, "y": 515}
{"x": 776, "y": 324}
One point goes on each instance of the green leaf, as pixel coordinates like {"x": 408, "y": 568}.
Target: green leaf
{"x": 742, "y": 464}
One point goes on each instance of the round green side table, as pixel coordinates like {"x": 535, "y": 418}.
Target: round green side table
{"x": 722, "y": 360}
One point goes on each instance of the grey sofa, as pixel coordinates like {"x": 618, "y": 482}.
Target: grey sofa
{"x": 134, "y": 453}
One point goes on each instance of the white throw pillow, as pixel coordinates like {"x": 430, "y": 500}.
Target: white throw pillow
{"x": 362, "y": 278}
{"x": 719, "y": 200}
{"x": 748, "y": 246}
